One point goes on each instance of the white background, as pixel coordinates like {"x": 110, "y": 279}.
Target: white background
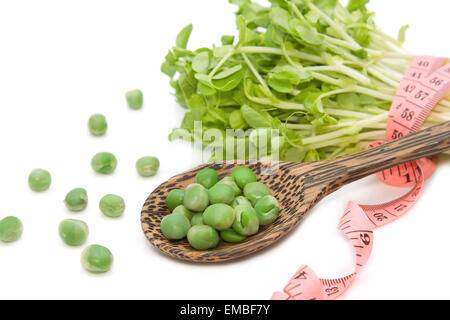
{"x": 61, "y": 61}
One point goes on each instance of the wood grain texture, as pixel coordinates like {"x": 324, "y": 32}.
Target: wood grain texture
{"x": 297, "y": 186}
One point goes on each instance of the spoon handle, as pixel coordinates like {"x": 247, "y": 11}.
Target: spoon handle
{"x": 344, "y": 170}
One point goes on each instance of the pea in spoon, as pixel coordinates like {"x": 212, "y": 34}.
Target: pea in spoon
{"x": 297, "y": 186}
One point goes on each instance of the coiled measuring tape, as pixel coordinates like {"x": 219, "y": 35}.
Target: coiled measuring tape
{"x": 425, "y": 83}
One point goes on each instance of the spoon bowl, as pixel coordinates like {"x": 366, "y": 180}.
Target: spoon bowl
{"x": 297, "y": 186}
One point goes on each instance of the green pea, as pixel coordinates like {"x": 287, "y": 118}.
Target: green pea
{"x": 219, "y": 216}
{"x": 39, "y": 180}
{"x": 203, "y": 237}
{"x": 196, "y": 197}
{"x": 243, "y": 176}
{"x": 267, "y": 209}
{"x": 175, "y": 226}
{"x": 112, "y": 205}
{"x": 135, "y": 99}
{"x": 184, "y": 211}
{"x": 247, "y": 222}
{"x": 256, "y": 190}
{"x": 240, "y": 201}
{"x": 221, "y": 193}
{"x": 197, "y": 219}
{"x": 230, "y": 181}
{"x": 231, "y": 236}
{"x": 104, "y": 163}
{"x": 175, "y": 198}
{"x": 10, "y": 229}
{"x": 97, "y": 125}
{"x": 207, "y": 177}
{"x": 147, "y": 166}
{"x": 73, "y": 232}
{"x": 96, "y": 259}
{"x": 76, "y": 200}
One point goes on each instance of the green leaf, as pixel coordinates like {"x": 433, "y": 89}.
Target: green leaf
{"x": 246, "y": 35}
{"x": 254, "y": 118}
{"x": 306, "y": 33}
{"x": 228, "y": 83}
{"x": 200, "y": 63}
{"x": 221, "y": 52}
{"x": 188, "y": 121}
{"x": 206, "y": 90}
{"x": 402, "y": 33}
{"x": 288, "y": 73}
{"x": 273, "y": 37}
{"x": 183, "y": 36}
{"x": 227, "y": 40}
{"x": 282, "y": 86}
{"x": 362, "y": 36}
{"x": 228, "y": 72}
{"x": 280, "y": 17}
{"x": 237, "y": 121}
{"x": 354, "y": 5}
{"x": 312, "y": 156}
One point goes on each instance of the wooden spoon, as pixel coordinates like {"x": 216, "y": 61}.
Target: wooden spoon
{"x": 297, "y": 186}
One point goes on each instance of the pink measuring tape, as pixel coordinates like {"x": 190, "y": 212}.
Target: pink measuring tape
{"x": 425, "y": 83}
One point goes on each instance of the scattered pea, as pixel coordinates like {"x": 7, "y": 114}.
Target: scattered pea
{"x": 231, "y": 236}
{"x": 76, "y": 200}
{"x": 184, "y": 211}
{"x": 197, "y": 219}
{"x": 147, "y": 166}
{"x": 96, "y": 259}
{"x": 104, "y": 163}
{"x": 135, "y": 99}
{"x": 243, "y": 176}
{"x": 256, "y": 190}
{"x": 230, "y": 181}
{"x": 10, "y": 229}
{"x": 175, "y": 198}
{"x": 175, "y": 226}
{"x": 196, "y": 197}
{"x": 97, "y": 125}
{"x": 221, "y": 193}
{"x": 203, "y": 237}
{"x": 219, "y": 216}
{"x": 39, "y": 180}
{"x": 267, "y": 209}
{"x": 246, "y": 222}
{"x": 73, "y": 232}
{"x": 207, "y": 177}
{"x": 112, "y": 205}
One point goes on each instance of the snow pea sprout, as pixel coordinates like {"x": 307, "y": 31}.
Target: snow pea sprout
{"x": 211, "y": 209}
